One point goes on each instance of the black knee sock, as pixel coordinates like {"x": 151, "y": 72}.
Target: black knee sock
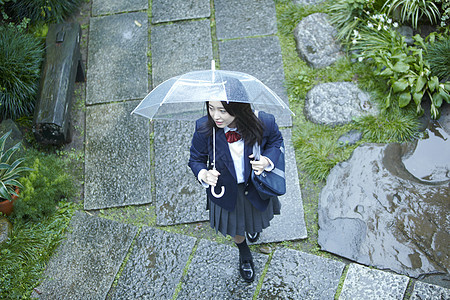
{"x": 244, "y": 251}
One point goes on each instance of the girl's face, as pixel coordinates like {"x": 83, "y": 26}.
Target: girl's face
{"x": 219, "y": 114}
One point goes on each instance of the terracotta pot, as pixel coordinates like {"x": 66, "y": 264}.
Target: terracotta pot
{"x": 7, "y": 206}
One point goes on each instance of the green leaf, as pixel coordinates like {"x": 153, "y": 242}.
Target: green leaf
{"x": 445, "y": 96}
{"x": 421, "y": 81}
{"x": 404, "y": 99}
{"x": 437, "y": 99}
{"x": 433, "y": 83}
{"x": 400, "y": 86}
{"x": 417, "y": 97}
{"x": 400, "y": 67}
{"x": 386, "y": 72}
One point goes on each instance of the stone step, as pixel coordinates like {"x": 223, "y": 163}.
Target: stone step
{"x": 297, "y": 275}
{"x": 423, "y": 290}
{"x": 104, "y": 7}
{"x": 366, "y": 283}
{"x": 213, "y": 274}
{"x": 155, "y": 265}
{"x": 117, "y": 157}
{"x": 169, "y": 10}
{"x": 117, "y": 58}
{"x": 233, "y": 21}
{"x": 86, "y": 263}
{"x": 178, "y": 48}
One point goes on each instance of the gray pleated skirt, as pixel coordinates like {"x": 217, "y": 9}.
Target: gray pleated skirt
{"x": 244, "y": 218}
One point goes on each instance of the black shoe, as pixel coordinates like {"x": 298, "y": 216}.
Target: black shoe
{"x": 252, "y": 237}
{"x": 247, "y": 269}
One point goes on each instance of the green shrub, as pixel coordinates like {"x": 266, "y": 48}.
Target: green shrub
{"x": 26, "y": 252}
{"x": 21, "y": 55}
{"x": 414, "y": 10}
{"x": 438, "y": 55}
{"x": 48, "y": 183}
{"x": 407, "y": 72}
{"x": 350, "y": 15}
{"x": 47, "y": 11}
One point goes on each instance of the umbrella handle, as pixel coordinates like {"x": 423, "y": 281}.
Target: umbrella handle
{"x": 222, "y": 192}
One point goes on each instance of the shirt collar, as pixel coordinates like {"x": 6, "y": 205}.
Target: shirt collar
{"x": 226, "y": 129}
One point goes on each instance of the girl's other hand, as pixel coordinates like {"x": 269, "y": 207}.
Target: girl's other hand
{"x": 259, "y": 165}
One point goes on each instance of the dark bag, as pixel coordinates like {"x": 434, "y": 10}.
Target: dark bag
{"x": 273, "y": 183}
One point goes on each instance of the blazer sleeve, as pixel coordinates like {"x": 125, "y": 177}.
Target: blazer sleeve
{"x": 199, "y": 151}
{"x": 273, "y": 138}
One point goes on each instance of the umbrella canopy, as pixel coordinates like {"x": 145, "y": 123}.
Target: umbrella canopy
{"x": 183, "y": 97}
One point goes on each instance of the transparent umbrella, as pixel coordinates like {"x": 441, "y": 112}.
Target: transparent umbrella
{"x": 183, "y": 97}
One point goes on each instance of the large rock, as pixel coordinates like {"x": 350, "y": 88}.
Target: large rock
{"x": 316, "y": 42}
{"x": 373, "y": 211}
{"x": 337, "y": 103}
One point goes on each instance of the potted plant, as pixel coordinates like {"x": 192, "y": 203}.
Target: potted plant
{"x": 9, "y": 173}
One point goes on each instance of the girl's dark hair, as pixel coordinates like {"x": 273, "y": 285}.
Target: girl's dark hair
{"x": 247, "y": 123}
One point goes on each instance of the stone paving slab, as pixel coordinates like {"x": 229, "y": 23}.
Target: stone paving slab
{"x": 237, "y": 18}
{"x": 261, "y": 58}
{"x": 117, "y": 58}
{"x": 85, "y": 264}
{"x": 290, "y": 224}
{"x": 117, "y": 156}
{"x": 423, "y": 290}
{"x": 213, "y": 274}
{"x": 179, "y": 196}
{"x": 169, "y": 10}
{"x": 365, "y": 283}
{"x": 179, "y": 48}
{"x": 155, "y": 265}
{"x": 296, "y": 275}
{"x": 103, "y": 7}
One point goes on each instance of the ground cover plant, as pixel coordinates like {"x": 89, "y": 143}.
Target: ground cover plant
{"x": 21, "y": 55}
{"x": 40, "y": 218}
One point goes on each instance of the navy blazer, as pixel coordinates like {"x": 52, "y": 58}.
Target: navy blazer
{"x": 201, "y": 156}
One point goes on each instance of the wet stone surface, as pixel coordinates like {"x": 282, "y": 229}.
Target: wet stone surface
{"x": 261, "y": 58}
{"x": 365, "y": 283}
{"x": 103, "y": 7}
{"x": 155, "y": 265}
{"x": 290, "y": 224}
{"x": 86, "y": 263}
{"x": 337, "y": 103}
{"x": 297, "y": 275}
{"x": 117, "y": 58}
{"x": 180, "y": 48}
{"x": 316, "y": 43}
{"x": 179, "y": 196}
{"x": 350, "y": 138}
{"x": 169, "y": 10}
{"x": 373, "y": 211}
{"x": 117, "y": 156}
{"x": 213, "y": 274}
{"x": 424, "y": 291}
{"x": 428, "y": 158}
{"x": 236, "y": 18}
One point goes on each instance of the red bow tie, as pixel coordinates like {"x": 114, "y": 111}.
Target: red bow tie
{"x": 232, "y": 136}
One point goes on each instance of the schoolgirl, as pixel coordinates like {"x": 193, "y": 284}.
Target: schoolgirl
{"x": 235, "y": 207}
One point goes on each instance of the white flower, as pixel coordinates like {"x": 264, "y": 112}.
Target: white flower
{"x": 385, "y": 27}
{"x": 354, "y": 41}
{"x": 360, "y": 59}
{"x": 379, "y": 27}
{"x": 389, "y": 21}
{"x": 370, "y": 25}
{"x": 395, "y": 24}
